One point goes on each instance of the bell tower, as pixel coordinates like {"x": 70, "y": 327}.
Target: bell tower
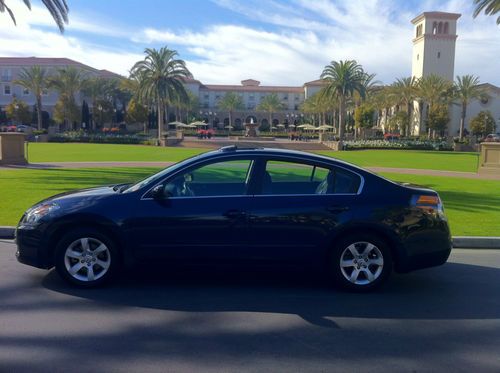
{"x": 434, "y": 40}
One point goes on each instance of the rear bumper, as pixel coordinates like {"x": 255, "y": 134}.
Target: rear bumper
{"x": 425, "y": 249}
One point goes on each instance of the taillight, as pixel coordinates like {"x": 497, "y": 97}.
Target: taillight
{"x": 427, "y": 202}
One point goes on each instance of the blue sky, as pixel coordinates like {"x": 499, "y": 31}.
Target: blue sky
{"x": 225, "y": 41}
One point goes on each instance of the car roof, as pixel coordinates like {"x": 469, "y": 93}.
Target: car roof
{"x": 233, "y": 149}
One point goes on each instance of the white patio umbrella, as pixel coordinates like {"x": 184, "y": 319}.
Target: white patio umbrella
{"x": 274, "y": 128}
{"x": 281, "y": 125}
{"x": 229, "y": 127}
{"x": 198, "y": 124}
{"x": 324, "y": 127}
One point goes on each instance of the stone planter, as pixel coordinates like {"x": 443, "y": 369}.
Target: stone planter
{"x": 490, "y": 158}
{"x": 12, "y": 148}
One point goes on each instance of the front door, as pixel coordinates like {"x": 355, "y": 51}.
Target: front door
{"x": 203, "y": 217}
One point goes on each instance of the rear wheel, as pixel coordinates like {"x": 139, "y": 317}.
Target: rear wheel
{"x": 361, "y": 262}
{"x": 86, "y": 258}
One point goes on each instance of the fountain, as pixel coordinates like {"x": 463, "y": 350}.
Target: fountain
{"x": 251, "y": 128}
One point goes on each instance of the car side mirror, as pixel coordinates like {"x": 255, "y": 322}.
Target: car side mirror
{"x": 157, "y": 192}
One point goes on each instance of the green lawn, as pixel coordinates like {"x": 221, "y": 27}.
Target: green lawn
{"x": 77, "y": 152}
{"x": 54, "y": 152}
{"x": 431, "y": 160}
{"x": 473, "y": 206}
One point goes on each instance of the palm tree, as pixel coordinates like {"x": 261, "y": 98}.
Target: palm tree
{"x": 490, "y": 7}
{"x": 160, "y": 76}
{"x": 271, "y": 104}
{"x": 343, "y": 79}
{"x": 101, "y": 92}
{"x": 58, "y": 9}
{"x": 34, "y": 79}
{"x": 404, "y": 91}
{"x": 383, "y": 100}
{"x": 230, "y": 102}
{"x": 434, "y": 90}
{"x": 466, "y": 88}
{"x": 68, "y": 82}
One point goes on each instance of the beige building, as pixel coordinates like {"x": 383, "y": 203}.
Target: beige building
{"x": 10, "y": 67}
{"x": 435, "y": 36}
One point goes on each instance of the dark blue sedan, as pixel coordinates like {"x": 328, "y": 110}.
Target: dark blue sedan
{"x": 253, "y": 207}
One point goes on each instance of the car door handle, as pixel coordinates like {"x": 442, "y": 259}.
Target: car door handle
{"x": 234, "y": 214}
{"x": 337, "y": 209}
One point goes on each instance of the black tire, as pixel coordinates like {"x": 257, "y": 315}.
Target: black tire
{"x": 74, "y": 241}
{"x": 369, "y": 262}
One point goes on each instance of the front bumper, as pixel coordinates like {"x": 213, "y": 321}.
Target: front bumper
{"x": 32, "y": 249}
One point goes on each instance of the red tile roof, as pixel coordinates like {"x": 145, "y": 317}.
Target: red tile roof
{"x": 221, "y": 87}
{"x": 52, "y": 61}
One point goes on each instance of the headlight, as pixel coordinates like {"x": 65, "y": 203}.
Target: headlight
{"x": 34, "y": 215}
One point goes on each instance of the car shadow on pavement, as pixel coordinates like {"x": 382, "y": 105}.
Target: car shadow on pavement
{"x": 452, "y": 291}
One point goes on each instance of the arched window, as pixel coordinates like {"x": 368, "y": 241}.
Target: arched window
{"x": 434, "y": 28}
{"x": 440, "y": 28}
{"x": 446, "y": 26}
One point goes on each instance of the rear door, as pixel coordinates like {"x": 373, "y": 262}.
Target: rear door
{"x": 297, "y": 208}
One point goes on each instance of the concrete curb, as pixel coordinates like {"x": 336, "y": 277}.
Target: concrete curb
{"x": 469, "y": 242}
{"x": 7, "y": 232}
{"x": 476, "y": 242}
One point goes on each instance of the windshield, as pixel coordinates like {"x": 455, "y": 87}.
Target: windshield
{"x": 151, "y": 180}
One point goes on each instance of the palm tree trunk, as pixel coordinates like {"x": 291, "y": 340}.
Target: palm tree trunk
{"x": 160, "y": 122}
{"x": 462, "y": 120}
{"x": 409, "y": 112}
{"x": 341, "y": 119}
{"x": 270, "y": 121}
{"x": 39, "y": 111}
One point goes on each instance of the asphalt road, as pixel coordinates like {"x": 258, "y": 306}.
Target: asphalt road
{"x": 440, "y": 319}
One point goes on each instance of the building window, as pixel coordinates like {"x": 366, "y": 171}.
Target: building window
{"x": 251, "y": 97}
{"x": 45, "y": 91}
{"x": 446, "y": 27}
{"x": 285, "y": 97}
{"x": 6, "y": 75}
{"x": 419, "y": 30}
{"x": 26, "y": 91}
{"x": 297, "y": 97}
{"x": 6, "y": 89}
{"x": 206, "y": 96}
{"x": 217, "y": 97}
{"x": 439, "y": 54}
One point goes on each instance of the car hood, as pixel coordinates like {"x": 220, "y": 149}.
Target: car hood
{"x": 82, "y": 195}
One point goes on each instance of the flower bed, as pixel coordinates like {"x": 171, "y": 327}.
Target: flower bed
{"x": 102, "y": 138}
{"x": 397, "y": 144}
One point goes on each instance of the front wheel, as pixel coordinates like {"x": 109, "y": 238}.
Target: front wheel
{"x": 361, "y": 262}
{"x": 86, "y": 258}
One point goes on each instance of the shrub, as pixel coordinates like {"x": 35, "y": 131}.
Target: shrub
{"x": 111, "y": 138}
{"x": 399, "y": 144}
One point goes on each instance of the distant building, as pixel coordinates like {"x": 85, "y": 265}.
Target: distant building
{"x": 10, "y": 67}
{"x": 251, "y": 93}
